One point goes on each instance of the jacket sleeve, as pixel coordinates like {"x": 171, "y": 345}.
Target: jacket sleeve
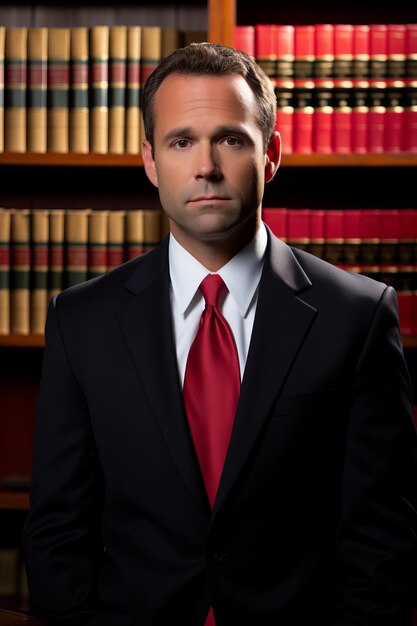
{"x": 376, "y": 545}
{"x": 62, "y": 546}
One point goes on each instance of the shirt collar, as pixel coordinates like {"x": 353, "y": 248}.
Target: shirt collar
{"x": 241, "y": 274}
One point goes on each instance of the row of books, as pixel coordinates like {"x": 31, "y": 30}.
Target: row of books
{"x": 341, "y": 88}
{"x": 45, "y": 251}
{"x": 381, "y": 244}
{"x": 78, "y": 89}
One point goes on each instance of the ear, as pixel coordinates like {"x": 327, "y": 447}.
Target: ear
{"x": 273, "y": 157}
{"x": 149, "y": 163}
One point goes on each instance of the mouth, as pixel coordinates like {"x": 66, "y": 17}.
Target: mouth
{"x": 209, "y": 199}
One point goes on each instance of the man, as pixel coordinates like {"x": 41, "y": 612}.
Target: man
{"x": 312, "y": 518}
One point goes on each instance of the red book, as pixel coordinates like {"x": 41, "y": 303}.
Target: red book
{"x": 343, "y": 86}
{"x": 317, "y": 234}
{"x": 298, "y": 228}
{"x": 304, "y": 47}
{"x": 323, "y": 81}
{"x": 394, "y": 117}
{"x": 410, "y": 103}
{"x": 284, "y": 84}
{"x": 377, "y": 86}
{"x": 360, "y": 88}
{"x": 352, "y": 239}
{"x": 244, "y": 39}
{"x": 276, "y": 219}
{"x": 370, "y": 238}
{"x": 265, "y": 48}
{"x": 334, "y": 235}
{"x": 407, "y": 258}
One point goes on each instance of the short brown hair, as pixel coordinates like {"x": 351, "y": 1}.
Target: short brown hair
{"x": 214, "y": 60}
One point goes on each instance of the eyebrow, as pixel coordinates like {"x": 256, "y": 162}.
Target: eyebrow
{"x": 187, "y": 131}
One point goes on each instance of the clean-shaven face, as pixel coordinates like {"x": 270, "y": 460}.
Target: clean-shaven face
{"x": 209, "y": 161}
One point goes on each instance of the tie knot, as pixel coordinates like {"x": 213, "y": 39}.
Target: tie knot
{"x": 211, "y": 288}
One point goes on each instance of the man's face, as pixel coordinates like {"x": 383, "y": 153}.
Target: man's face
{"x": 209, "y": 161}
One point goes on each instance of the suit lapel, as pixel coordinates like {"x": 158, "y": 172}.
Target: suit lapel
{"x": 281, "y": 323}
{"x": 147, "y": 329}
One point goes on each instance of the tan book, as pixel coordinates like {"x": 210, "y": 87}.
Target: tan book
{"x": 133, "y": 116}
{"x": 98, "y": 230}
{"x": 99, "y": 83}
{"x": 4, "y": 271}
{"x": 117, "y": 88}
{"x": 58, "y": 89}
{"x": 37, "y": 85}
{"x": 15, "y": 64}
{"x": 56, "y": 252}
{"x": 76, "y": 246}
{"x": 20, "y": 272}
{"x": 150, "y": 57}
{"x": 79, "y": 91}
{"x": 152, "y": 223}
{"x": 2, "y": 43}
{"x": 135, "y": 234}
{"x": 116, "y": 239}
{"x": 39, "y": 270}
{"x": 171, "y": 39}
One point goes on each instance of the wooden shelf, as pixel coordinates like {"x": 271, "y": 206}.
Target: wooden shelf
{"x": 410, "y": 341}
{"x": 14, "y": 500}
{"x": 71, "y": 159}
{"x": 400, "y": 159}
{"x": 22, "y": 341}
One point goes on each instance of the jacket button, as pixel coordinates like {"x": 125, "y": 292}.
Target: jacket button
{"x": 214, "y": 556}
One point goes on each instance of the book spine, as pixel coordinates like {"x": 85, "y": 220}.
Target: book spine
{"x": 276, "y": 219}
{"x": 303, "y": 88}
{"x": 170, "y": 40}
{"x": 360, "y": 88}
{"x": 323, "y": 89}
{"x": 58, "y": 89}
{"x": 343, "y": 86}
{"x": 79, "y": 91}
{"x": 37, "y": 86}
{"x": 2, "y": 46}
{"x": 135, "y": 235}
{"x": 334, "y": 236}
{"x": 99, "y": 112}
{"x": 20, "y": 272}
{"x": 244, "y": 39}
{"x": 284, "y": 85}
{"x": 98, "y": 222}
{"x": 394, "y": 117}
{"x": 116, "y": 239}
{"x": 410, "y": 92}
{"x": 317, "y": 239}
{"x": 152, "y": 220}
{"x": 15, "y": 64}
{"x": 39, "y": 270}
{"x": 133, "y": 125}
{"x": 377, "y": 87}
{"x": 76, "y": 243}
{"x": 56, "y": 259}
{"x": 150, "y": 57}
{"x": 117, "y": 88}
{"x": 265, "y": 49}
{"x": 5, "y": 233}
{"x": 352, "y": 231}
{"x": 298, "y": 228}
{"x": 370, "y": 239}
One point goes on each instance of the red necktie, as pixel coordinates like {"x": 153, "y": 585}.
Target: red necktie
{"x": 211, "y": 386}
{"x": 211, "y": 389}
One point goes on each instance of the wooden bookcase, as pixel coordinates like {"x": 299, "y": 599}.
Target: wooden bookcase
{"x": 303, "y": 180}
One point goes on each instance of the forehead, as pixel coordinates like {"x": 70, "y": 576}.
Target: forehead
{"x": 192, "y": 98}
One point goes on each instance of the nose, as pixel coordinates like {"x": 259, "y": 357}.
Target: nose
{"x": 207, "y": 165}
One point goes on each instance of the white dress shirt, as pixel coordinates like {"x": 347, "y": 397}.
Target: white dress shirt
{"x": 241, "y": 276}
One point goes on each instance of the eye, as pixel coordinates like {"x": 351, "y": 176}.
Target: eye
{"x": 180, "y": 144}
{"x": 233, "y": 141}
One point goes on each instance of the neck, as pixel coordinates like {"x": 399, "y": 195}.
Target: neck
{"x": 214, "y": 253}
